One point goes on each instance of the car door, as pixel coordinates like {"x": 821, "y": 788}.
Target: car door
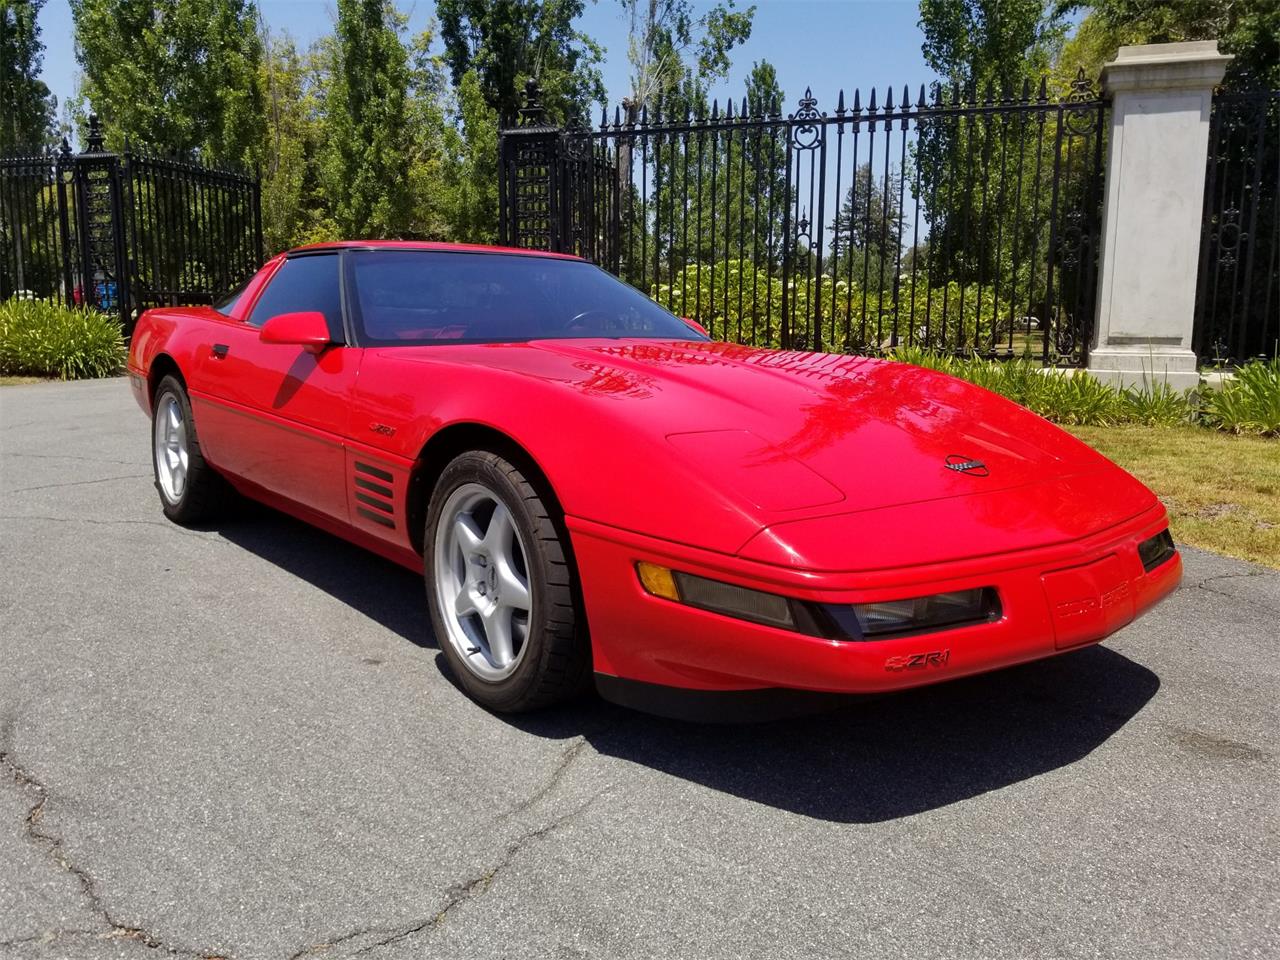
{"x": 277, "y": 414}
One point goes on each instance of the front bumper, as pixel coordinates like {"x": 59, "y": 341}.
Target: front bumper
{"x": 1053, "y": 598}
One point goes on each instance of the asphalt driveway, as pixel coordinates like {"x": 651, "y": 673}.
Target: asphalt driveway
{"x": 239, "y": 742}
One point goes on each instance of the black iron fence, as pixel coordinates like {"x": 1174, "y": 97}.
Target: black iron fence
{"x": 124, "y": 232}
{"x": 950, "y": 220}
{"x": 1238, "y": 293}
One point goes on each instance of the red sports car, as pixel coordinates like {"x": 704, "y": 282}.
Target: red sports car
{"x": 593, "y": 488}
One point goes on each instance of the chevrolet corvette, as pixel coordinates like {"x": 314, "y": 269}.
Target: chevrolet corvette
{"x": 595, "y": 491}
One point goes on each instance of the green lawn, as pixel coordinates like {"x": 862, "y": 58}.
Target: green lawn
{"x": 1222, "y": 491}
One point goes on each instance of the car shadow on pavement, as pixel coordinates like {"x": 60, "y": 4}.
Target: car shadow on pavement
{"x": 860, "y": 761}
{"x": 877, "y": 759}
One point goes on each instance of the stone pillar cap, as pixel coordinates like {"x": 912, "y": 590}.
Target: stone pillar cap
{"x": 1165, "y": 66}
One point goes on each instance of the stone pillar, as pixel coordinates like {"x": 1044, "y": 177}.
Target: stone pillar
{"x": 1156, "y": 161}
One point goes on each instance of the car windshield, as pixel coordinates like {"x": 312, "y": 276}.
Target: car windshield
{"x": 407, "y": 297}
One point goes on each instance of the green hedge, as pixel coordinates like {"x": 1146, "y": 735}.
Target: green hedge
{"x": 1248, "y": 402}
{"x": 738, "y": 300}
{"x": 41, "y": 339}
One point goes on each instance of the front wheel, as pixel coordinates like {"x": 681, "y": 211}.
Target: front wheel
{"x": 190, "y": 490}
{"x": 500, "y": 586}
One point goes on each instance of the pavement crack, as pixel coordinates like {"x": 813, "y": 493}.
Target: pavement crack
{"x": 469, "y": 889}
{"x": 70, "y": 456}
{"x": 557, "y": 776}
{"x": 1205, "y": 585}
{"x": 77, "y": 483}
{"x": 99, "y": 522}
{"x": 39, "y": 834}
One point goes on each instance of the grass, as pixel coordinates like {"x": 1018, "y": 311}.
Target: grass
{"x": 1222, "y": 491}
{"x": 17, "y": 381}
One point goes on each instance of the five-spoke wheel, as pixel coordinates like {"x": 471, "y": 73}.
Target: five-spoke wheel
{"x": 482, "y": 581}
{"x": 190, "y": 490}
{"x": 500, "y": 582}
{"x": 171, "y": 453}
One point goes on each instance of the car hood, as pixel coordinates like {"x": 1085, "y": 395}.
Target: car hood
{"x": 774, "y": 436}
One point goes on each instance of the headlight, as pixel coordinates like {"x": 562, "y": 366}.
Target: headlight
{"x": 937, "y": 611}
{"x": 858, "y": 621}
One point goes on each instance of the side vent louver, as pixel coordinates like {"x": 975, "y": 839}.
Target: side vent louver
{"x": 378, "y": 496}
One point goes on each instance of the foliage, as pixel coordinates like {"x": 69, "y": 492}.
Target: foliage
{"x": 470, "y": 179}
{"x": 1247, "y": 29}
{"x": 505, "y": 42}
{"x": 1249, "y": 402}
{"x": 1156, "y": 404}
{"x": 675, "y": 53}
{"x": 43, "y": 339}
{"x": 29, "y": 106}
{"x": 742, "y": 301}
{"x": 870, "y": 218}
{"x": 976, "y": 43}
{"x": 174, "y": 75}
{"x": 291, "y": 195}
{"x": 366, "y": 148}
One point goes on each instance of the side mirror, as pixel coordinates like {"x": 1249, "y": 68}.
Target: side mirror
{"x": 697, "y": 326}
{"x": 307, "y": 329}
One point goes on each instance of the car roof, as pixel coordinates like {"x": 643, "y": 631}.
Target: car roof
{"x": 429, "y": 245}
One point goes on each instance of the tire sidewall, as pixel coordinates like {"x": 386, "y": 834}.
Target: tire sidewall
{"x": 509, "y": 692}
{"x": 199, "y": 491}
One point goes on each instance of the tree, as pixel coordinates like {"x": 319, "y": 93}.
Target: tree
{"x": 28, "y": 106}
{"x": 292, "y": 205}
{"x": 429, "y": 125}
{"x": 976, "y": 43}
{"x": 870, "y": 218}
{"x": 367, "y": 138}
{"x": 982, "y": 48}
{"x": 1248, "y": 29}
{"x": 669, "y": 45}
{"x": 506, "y": 42}
{"x": 174, "y": 75}
{"x": 470, "y": 179}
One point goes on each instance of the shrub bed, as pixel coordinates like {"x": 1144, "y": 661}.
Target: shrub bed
{"x": 41, "y": 339}
{"x": 1249, "y": 402}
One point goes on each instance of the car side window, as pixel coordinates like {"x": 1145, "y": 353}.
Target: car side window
{"x": 303, "y": 283}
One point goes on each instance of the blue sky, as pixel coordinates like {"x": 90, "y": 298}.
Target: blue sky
{"x": 823, "y": 44}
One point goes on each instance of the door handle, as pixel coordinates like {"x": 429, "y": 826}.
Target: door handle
{"x": 220, "y": 351}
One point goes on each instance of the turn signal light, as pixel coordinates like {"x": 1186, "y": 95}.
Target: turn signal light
{"x": 716, "y": 596}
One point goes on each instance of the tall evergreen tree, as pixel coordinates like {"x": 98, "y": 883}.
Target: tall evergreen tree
{"x": 366, "y": 132}
{"x": 27, "y": 119}
{"x": 506, "y": 42}
{"x": 174, "y": 75}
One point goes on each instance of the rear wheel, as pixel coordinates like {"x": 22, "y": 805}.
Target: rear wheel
{"x": 190, "y": 490}
{"x": 500, "y": 587}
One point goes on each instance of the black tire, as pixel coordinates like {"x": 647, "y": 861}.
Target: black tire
{"x": 205, "y": 494}
{"x": 556, "y": 663}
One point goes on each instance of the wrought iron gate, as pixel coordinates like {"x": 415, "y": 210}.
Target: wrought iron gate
{"x": 1238, "y": 293}
{"x": 124, "y": 232}
{"x": 962, "y": 223}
